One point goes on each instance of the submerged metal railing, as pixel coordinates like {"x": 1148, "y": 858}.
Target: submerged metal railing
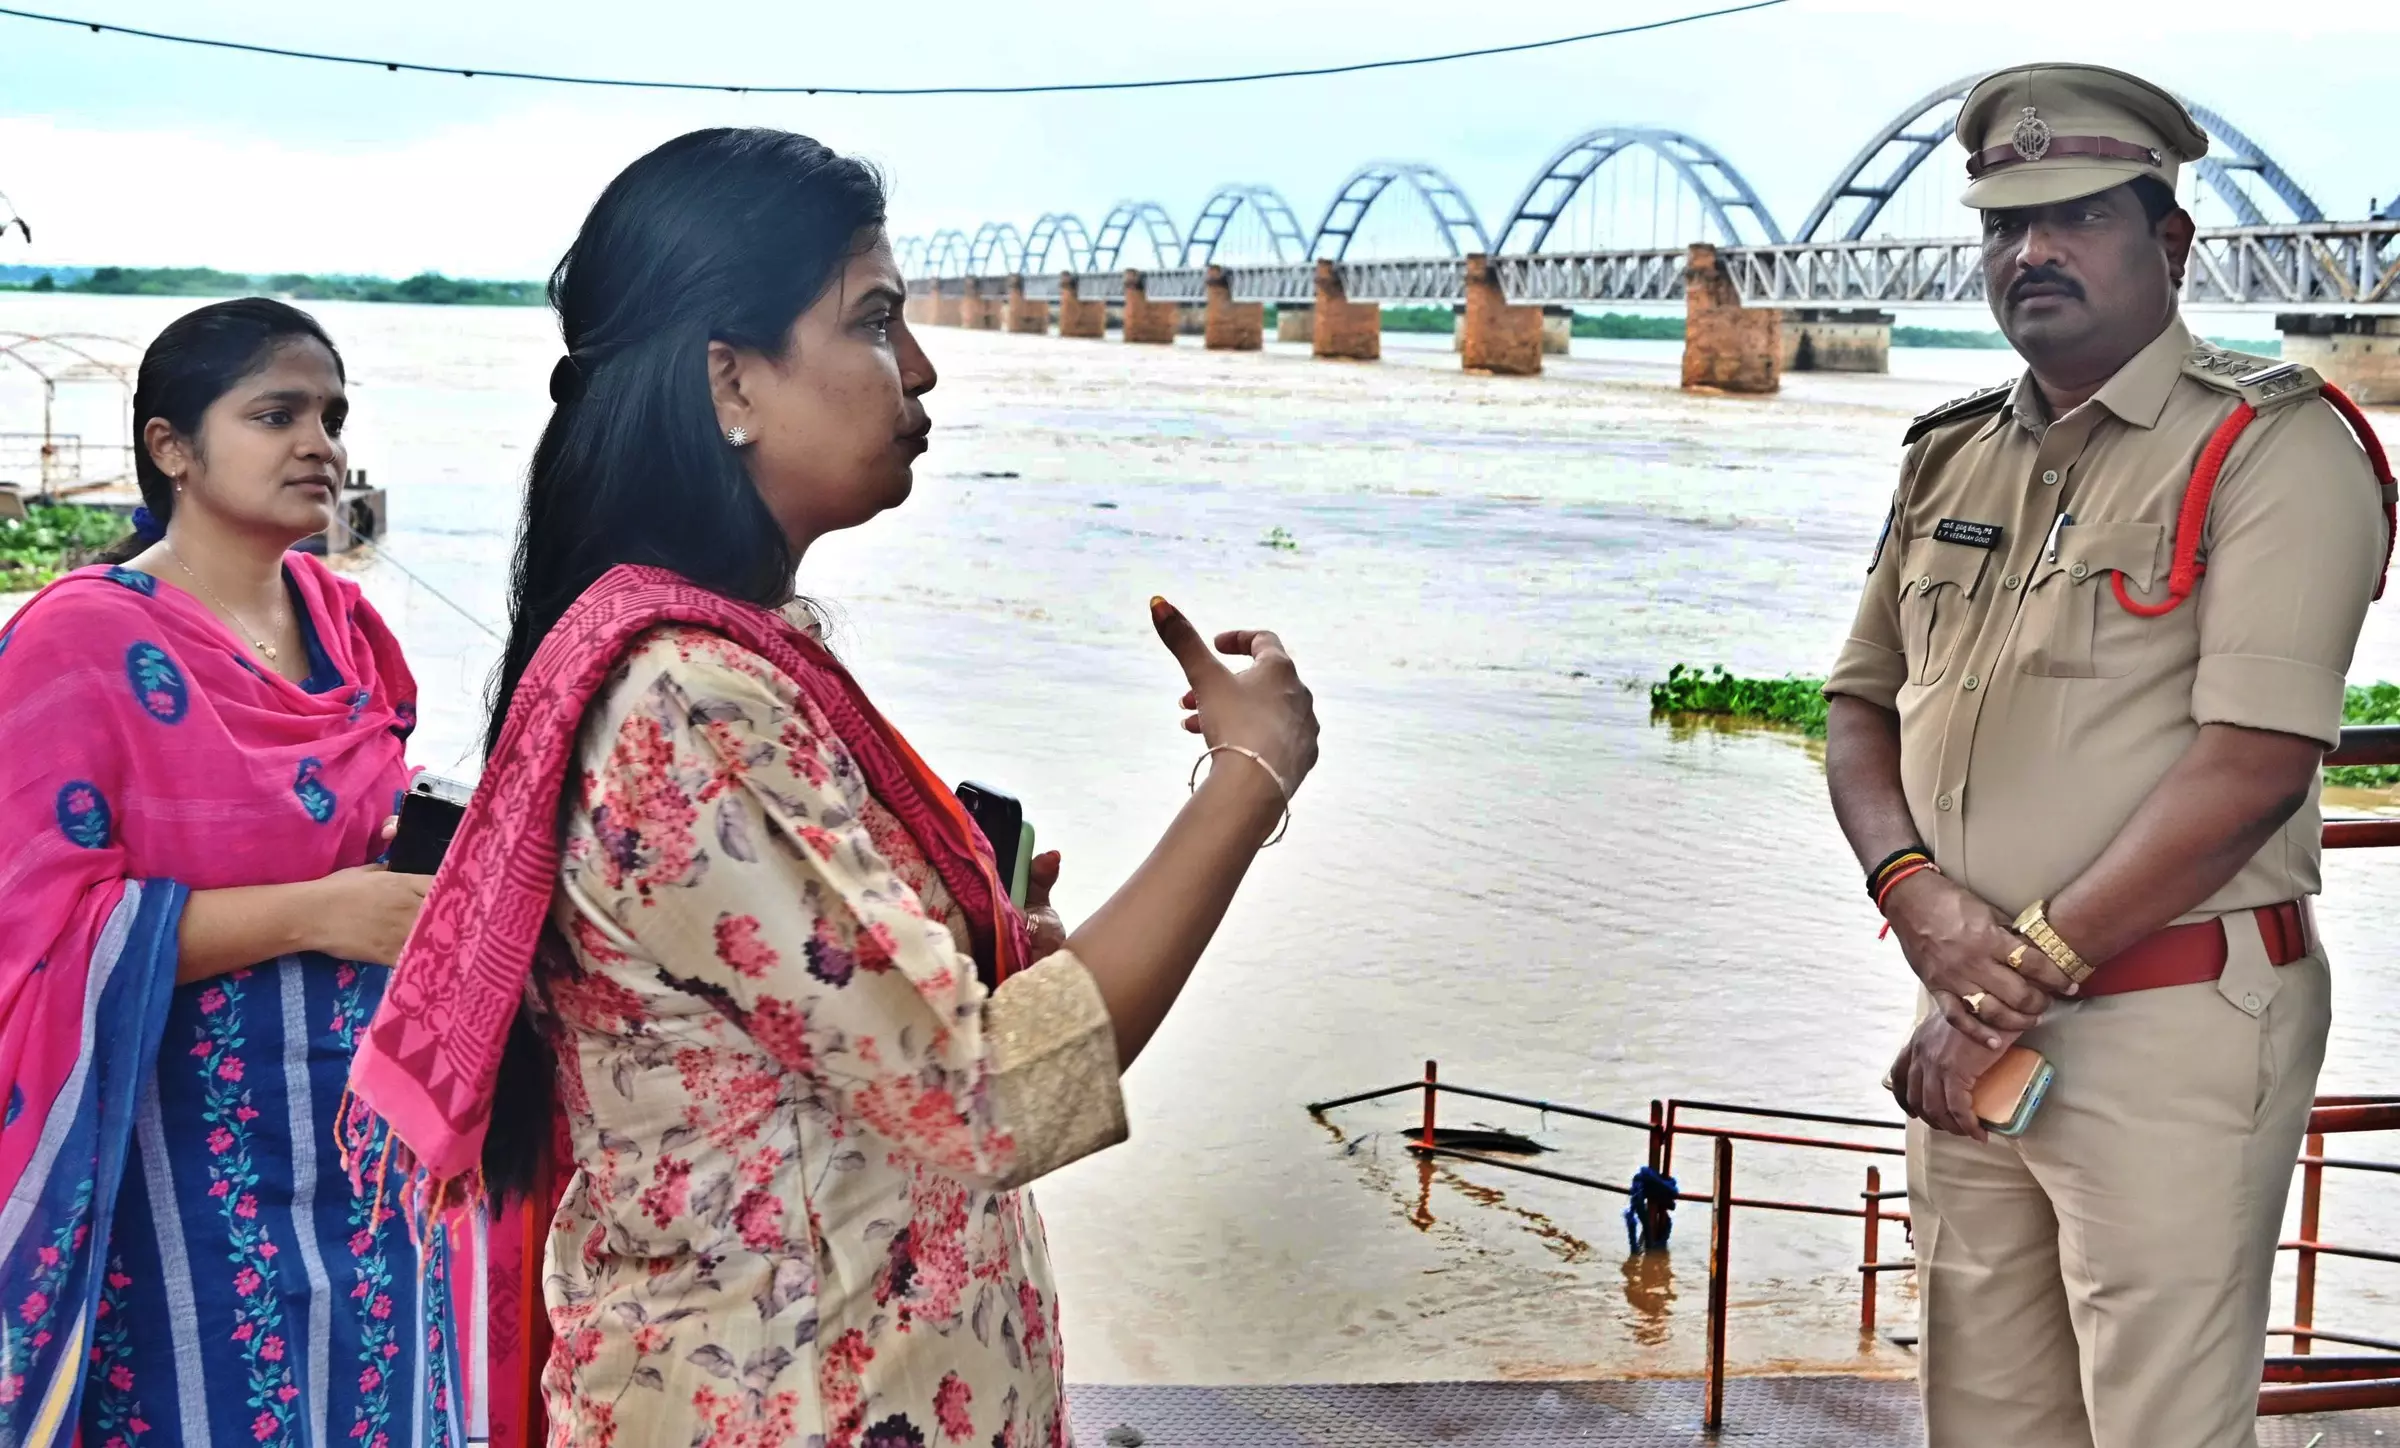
{"x": 2299, "y": 1383}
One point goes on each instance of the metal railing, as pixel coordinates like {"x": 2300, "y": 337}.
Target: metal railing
{"x": 1666, "y": 1123}
{"x": 2299, "y": 1383}
{"x": 2330, "y": 267}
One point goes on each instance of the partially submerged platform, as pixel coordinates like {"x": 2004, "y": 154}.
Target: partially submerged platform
{"x": 1777, "y": 1412}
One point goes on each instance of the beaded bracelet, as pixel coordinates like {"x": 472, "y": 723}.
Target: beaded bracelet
{"x": 1260, "y": 760}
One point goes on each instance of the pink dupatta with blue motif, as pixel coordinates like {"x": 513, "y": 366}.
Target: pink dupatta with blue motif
{"x": 143, "y": 755}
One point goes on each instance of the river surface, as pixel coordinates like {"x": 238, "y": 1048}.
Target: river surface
{"x": 1503, "y": 861}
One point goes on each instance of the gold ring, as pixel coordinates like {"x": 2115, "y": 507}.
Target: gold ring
{"x": 1975, "y": 1002}
{"x": 2016, "y": 959}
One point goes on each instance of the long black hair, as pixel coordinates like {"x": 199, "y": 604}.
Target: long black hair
{"x": 199, "y": 358}
{"x": 721, "y": 235}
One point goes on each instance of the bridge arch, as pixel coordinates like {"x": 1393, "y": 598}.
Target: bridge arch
{"x": 1109, "y": 246}
{"x": 1722, "y": 190}
{"x": 909, "y": 252}
{"x": 1461, "y": 231}
{"x": 1928, "y": 124}
{"x": 2237, "y": 152}
{"x": 1060, "y": 230}
{"x": 946, "y": 253}
{"x": 1226, "y": 202}
{"x": 995, "y": 241}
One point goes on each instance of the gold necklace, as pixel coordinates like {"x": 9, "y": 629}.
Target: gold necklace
{"x": 222, "y": 606}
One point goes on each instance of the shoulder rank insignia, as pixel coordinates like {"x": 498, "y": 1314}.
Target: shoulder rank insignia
{"x": 1974, "y": 404}
{"x": 2259, "y": 381}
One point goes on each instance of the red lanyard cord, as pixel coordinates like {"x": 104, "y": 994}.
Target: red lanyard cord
{"x": 2192, "y": 522}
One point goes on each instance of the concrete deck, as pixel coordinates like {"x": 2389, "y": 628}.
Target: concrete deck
{"x": 1800, "y": 1412}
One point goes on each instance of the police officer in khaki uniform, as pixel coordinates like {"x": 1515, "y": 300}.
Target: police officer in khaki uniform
{"x": 2100, "y": 714}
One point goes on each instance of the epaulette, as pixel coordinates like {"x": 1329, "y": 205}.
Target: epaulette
{"x": 1974, "y": 404}
{"x": 2260, "y": 381}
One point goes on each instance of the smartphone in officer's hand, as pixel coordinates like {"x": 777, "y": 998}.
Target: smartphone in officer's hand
{"x": 1002, "y": 819}
{"x": 429, "y": 816}
{"x": 2007, "y": 1095}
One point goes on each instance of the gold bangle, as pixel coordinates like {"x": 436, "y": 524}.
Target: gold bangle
{"x": 1281, "y": 826}
{"x": 2035, "y": 926}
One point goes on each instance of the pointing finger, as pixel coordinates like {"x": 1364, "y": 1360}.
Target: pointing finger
{"x": 1185, "y": 643}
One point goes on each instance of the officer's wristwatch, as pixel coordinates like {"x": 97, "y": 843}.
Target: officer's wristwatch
{"x": 2035, "y": 926}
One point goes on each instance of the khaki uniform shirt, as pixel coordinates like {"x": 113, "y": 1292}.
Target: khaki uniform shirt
{"x": 2036, "y": 712}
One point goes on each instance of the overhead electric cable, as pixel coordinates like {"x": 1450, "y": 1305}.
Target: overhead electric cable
{"x": 470, "y": 72}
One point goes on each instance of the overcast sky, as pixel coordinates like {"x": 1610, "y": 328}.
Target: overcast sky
{"x": 129, "y": 151}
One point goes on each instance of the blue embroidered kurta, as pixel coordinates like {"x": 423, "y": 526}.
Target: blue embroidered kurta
{"x": 251, "y": 1296}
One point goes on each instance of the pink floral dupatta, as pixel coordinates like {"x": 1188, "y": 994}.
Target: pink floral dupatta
{"x": 429, "y": 1061}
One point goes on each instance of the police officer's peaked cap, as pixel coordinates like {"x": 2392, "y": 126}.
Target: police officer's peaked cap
{"x": 2036, "y": 135}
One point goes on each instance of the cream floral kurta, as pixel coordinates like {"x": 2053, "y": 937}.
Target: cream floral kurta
{"x": 800, "y": 1121}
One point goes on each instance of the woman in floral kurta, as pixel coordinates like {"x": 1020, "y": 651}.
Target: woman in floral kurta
{"x": 800, "y": 1122}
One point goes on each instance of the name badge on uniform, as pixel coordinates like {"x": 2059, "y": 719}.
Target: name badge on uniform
{"x": 1974, "y": 535}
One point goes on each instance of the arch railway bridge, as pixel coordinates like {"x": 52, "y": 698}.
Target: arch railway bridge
{"x": 1758, "y": 299}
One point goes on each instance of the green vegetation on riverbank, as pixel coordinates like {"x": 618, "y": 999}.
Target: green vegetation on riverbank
{"x": 424, "y": 289}
{"x": 1798, "y": 704}
{"x": 51, "y": 541}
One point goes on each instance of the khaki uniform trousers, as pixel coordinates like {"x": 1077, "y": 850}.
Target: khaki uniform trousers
{"x": 2102, "y": 1281}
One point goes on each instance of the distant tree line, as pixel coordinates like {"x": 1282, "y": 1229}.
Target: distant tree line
{"x": 424, "y": 289}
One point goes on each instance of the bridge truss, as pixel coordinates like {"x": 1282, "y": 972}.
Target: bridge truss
{"x": 2334, "y": 267}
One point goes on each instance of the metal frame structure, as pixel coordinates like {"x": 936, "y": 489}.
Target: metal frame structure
{"x": 909, "y": 252}
{"x": 1461, "y": 230}
{"x": 58, "y": 359}
{"x": 995, "y": 238}
{"x": 1225, "y": 203}
{"x": 1909, "y": 128}
{"x": 2216, "y": 172}
{"x": 1109, "y": 246}
{"x": 1050, "y": 229}
{"x": 946, "y": 250}
{"x": 2334, "y": 267}
{"x": 1722, "y": 189}
{"x": 1933, "y": 119}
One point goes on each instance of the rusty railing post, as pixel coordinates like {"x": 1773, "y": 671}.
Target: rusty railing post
{"x": 1658, "y": 1135}
{"x": 1867, "y": 1263}
{"x": 1432, "y": 1075}
{"x": 1666, "y": 1144}
{"x": 1720, "y": 1264}
{"x": 2304, "y": 1289}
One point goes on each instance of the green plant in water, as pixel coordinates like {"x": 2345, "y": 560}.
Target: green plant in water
{"x": 1791, "y": 703}
{"x": 49, "y": 541}
{"x": 1277, "y": 537}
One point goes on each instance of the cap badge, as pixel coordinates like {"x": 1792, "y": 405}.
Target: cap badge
{"x": 2031, "y": 139}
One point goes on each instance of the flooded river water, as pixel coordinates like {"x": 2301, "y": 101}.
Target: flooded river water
{"x": 1503, "y": 862}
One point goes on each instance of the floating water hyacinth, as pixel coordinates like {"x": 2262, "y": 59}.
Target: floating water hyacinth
{"x": 1791, "y": 703}
{"x": 1277, "y": 537}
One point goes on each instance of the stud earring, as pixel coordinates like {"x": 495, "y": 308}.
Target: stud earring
{"x": 738, "y": 436}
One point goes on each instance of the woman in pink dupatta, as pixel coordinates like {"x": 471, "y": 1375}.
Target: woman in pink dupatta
{"x": 796, "y": 1054}
{"x": 200, "y": 749}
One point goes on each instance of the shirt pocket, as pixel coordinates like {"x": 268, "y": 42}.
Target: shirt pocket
{"x": 1937, "y": 593}
{"x": 2074, "y": 626}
